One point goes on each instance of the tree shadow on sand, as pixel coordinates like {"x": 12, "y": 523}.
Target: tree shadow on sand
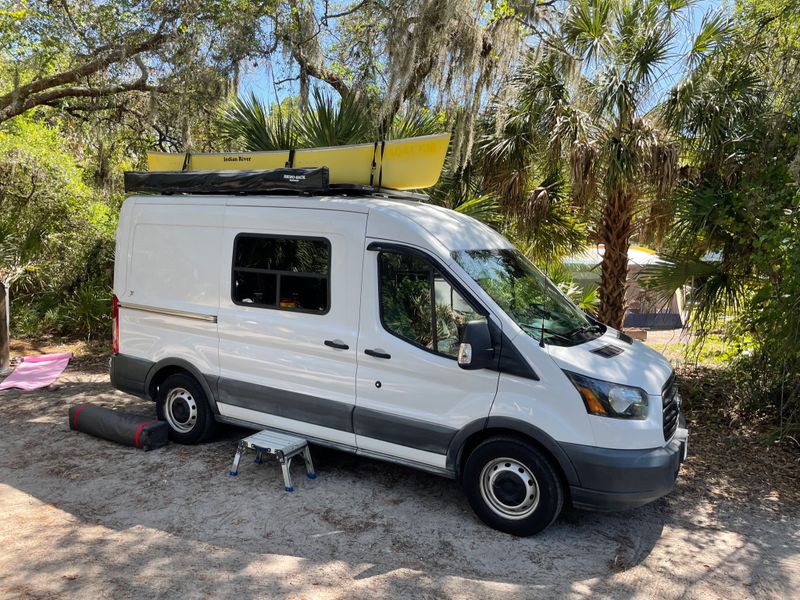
{"x": 378, "y": 518}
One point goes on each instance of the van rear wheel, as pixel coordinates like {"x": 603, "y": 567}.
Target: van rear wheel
{"x": 512, "y": 486}
{"x": 183, "y": 405}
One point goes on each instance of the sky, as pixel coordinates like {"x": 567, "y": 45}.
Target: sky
{"x": 259, "y": 79}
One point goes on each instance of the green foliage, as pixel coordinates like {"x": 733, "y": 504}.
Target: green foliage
{"x": 735, "y": 237}
{"x": 249, "y": 124}
{"x": 555, "y": 236}
{"x": 89, "y": 56}
{"x": 88, "y": 311}
{"x": 585, "y": 298}
{"x": 414, "y": 123}
{"x": 56, "y": 234}
{"x": 578, "y": 111}
{"x": 335, "y": 124}
{"x": 483, "y": 208}
{"x": 83, "y": 313}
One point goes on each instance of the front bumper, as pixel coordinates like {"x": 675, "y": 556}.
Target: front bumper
{"x": 623, "y": 479}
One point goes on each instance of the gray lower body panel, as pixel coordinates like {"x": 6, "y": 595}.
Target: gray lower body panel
{"x": 411, "y": 433}
{"x": 286, "y": 404}
{"x": 129, "y": 374}
{"x": 622, "y": 479}
{"x": 366, "y": 422}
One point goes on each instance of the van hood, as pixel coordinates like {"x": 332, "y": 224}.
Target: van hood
{"x": 612, "y": 359}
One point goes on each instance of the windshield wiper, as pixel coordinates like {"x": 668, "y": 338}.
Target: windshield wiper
{"x": 554, "y": 334}
{"x": 589, "y": 327}
{"x": 550, "y": 332}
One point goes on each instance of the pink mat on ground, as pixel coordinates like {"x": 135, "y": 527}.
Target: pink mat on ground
{"x": 37, "y": 371}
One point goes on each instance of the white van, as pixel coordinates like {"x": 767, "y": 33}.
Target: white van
{"x": 393, "y": 329}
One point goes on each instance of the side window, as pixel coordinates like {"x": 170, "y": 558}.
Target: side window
{"x": 419, "y": 305}
{"x": 281, "y": 272}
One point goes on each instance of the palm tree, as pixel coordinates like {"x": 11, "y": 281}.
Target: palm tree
{"x": 584, "y": 98}
{"x": 251, "y": 124}
{"x": 331, "y": 123}
{"x": 725, "y": 208}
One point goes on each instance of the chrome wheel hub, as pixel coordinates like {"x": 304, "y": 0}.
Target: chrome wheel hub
{"x": 509, "y": 488}
{"x": 180, "y": 409}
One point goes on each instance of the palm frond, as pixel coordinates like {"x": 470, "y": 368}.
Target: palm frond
{"x": 714, "y": 289}
{"x": 587, "y": 27}
{"x": 484, "y": 208}
{"x": 556, "y": 235}
{"x": 652, "y": 50}
{"x": 715, "y": 30}
{"x": 329, "y": 123}
{"x": 674, "y": 7}
{"x": 247, "y": 121}
{"x": 615, "y": 94}
{"x": 415, "y": 123}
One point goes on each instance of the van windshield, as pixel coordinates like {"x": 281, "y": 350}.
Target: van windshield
{"x": 528, "y": 296}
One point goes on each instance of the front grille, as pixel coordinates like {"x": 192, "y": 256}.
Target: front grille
{"x": 670, "y": 410}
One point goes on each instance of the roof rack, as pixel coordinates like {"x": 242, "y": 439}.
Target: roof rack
{"x": 308, "y": 181}
{"x": 228, "y": 182}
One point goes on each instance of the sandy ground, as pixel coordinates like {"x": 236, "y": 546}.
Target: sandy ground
{"x": 84, "y": 518}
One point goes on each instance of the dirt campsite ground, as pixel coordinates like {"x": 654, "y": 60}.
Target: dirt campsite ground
{"x": 84, "y": 518}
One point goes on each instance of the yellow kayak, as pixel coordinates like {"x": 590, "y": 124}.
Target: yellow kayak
{"x": 407, "y": 164}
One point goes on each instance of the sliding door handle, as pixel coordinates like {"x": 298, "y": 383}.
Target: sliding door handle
{"x": 338, "y": 344}
{"x": 377, "y": 353}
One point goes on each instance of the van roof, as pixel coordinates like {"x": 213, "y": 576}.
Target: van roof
{"x": 392, "y": 218}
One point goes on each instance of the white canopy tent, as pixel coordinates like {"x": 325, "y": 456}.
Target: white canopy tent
{"x": 642, "y": 309}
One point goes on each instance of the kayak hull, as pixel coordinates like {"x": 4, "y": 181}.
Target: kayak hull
{"x": 407, "y": 164}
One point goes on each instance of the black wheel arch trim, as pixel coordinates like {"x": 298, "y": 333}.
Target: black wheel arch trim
{"x": 454, "y": 451}
{"x": 207, "y": 382}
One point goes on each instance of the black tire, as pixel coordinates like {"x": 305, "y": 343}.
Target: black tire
{"x": 190, "y": 419}
{"x": 512, "y": 486}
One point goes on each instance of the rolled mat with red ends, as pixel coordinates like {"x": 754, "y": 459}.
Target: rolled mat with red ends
{"x": 138, "y": 431}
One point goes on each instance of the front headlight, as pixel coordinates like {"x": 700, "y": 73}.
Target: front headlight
{"x": 610, "y": 399}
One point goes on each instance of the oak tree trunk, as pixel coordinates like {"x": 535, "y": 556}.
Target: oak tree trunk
{"x": 615, "y": 233}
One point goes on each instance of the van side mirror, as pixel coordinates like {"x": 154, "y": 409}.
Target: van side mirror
{"x": 476, "y": 350}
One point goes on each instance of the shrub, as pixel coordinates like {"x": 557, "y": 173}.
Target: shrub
{"x": 87, "y": 312}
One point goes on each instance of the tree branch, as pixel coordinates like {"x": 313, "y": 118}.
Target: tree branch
{"x": 49, "y": 88}
{"x": 286, "y": 80}
{"x": 320, "y": 72}
{"x": 50, "y": 97}
{"x": 326, "y": 17}
{"x": 306, "y": 66}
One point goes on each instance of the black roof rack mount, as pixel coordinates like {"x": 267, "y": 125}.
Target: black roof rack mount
{"x": 313, "y": 180}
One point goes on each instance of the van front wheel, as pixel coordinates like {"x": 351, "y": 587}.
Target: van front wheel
{"x": 183, "y": 405}
{"x": 512, "y": 486}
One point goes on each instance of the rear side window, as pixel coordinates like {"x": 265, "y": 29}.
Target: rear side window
{"x": 284, "y": 273}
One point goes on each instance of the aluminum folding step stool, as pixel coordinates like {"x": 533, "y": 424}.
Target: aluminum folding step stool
{"x": 284, "y": 447}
